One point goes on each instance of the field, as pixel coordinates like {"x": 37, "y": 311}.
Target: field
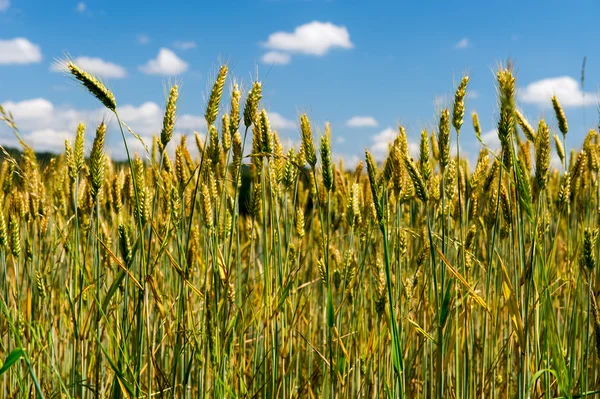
{"x": 284, "y": 274}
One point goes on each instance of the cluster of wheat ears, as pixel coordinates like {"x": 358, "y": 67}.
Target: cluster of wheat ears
{"x": 290, "y": 276}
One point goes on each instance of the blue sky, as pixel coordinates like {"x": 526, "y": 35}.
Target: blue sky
{"x": 384, "y": 62}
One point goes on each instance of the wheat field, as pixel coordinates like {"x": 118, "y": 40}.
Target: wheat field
{"x": 272, "y": 272}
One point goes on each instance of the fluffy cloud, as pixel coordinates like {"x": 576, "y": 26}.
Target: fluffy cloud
{"x": 81, "y": 7}
{"x": 165, "y": 63}
{"x": 30, "y": 109}
{"x": 43, "y": 126}
{"x": 463, "y": 43}
{"x": 19, "y": 51}
{"x": 190, "y": 122}
{"x": 4, "y": 5}
{"x": 566, "y": 89}
{"x": 46, "y": 126}
{"x": 96, "y": 66}
{"x": 185, "y": 45}
{"x": 49, "y": 139}
{"x": 350, "y": 160}
{"x": 276, "y": 58}
{"x": 362, "y": 121}
{"x": 314, "y": 38}
{"x": 490, "y": 138}
{"x": 279, "y": 122}
{"x": 382, "y": 141}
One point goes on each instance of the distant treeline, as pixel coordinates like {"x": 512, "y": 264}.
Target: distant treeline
{"x": 42, "y": 157}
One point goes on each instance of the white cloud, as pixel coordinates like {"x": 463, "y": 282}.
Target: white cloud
{"x": 185, "y": 45}
{"x": 81, "y": 7}
{"x": 276, "y": 58}
{"x": 96, "y": 66}
{"x": 463, "y": 43}
{"x": 490, "y": 138}
{"x": 350, "y": 160}
{"x": 362, "y": 121}
{"x": 146, "y": 119}
{"x": 290, "y": 142}
{"x": 165, "y": 63}
{"x": 382, "y": 141}
{"x": 190, "y": 122}
{"x": 277, "y": 121}
{"x": 413, "y": 149}
{"x": 4, "y": 5}
{"x": 19, "y": 51}
{"x": 30, "y": 109}
{"x": 45, "y": 126}
{"x": 143, "y": 118}
{"x": 142, "y": 39}
{"x": 48, "y": 139}
{"x": 314, "y": 38}
{"x": 566, "y": 89}
{"x": 555, "y": 162}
